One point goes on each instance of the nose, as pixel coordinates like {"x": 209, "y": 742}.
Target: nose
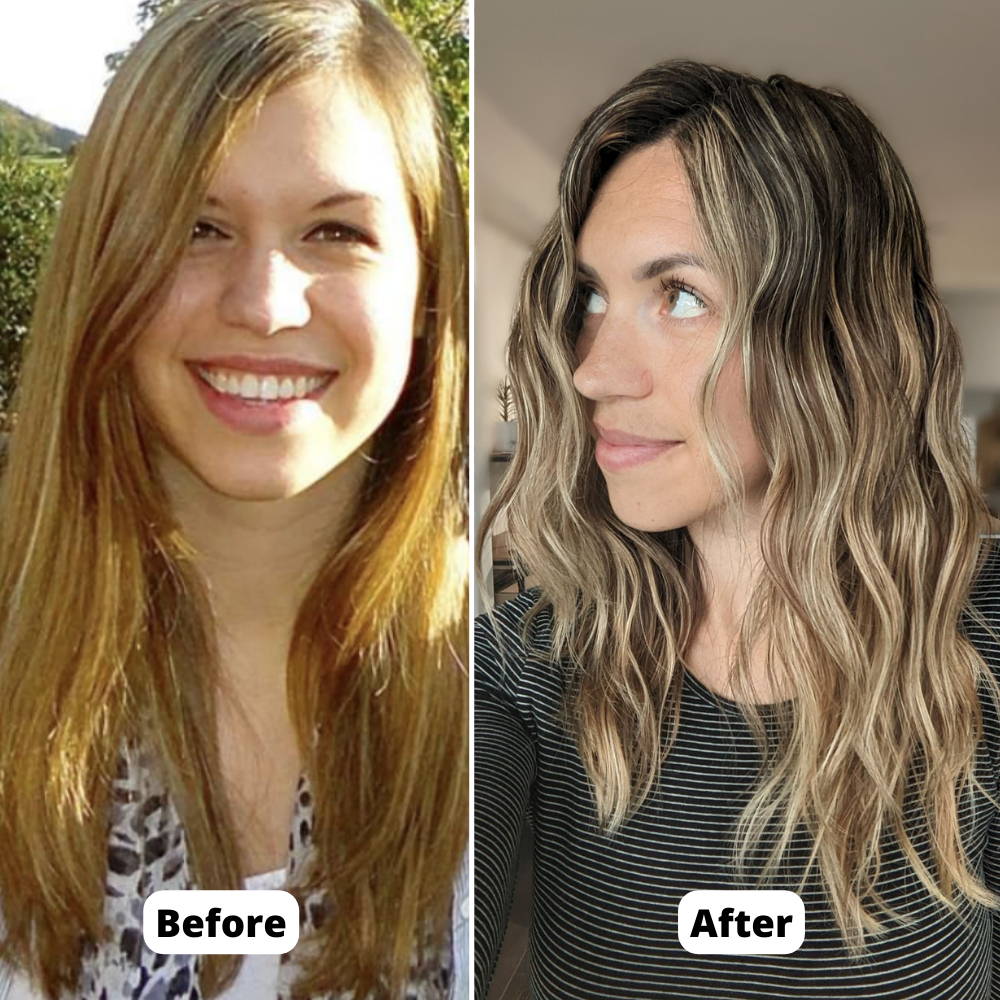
{"x": 265, "y": 292}
{"x": 610, "y": 362}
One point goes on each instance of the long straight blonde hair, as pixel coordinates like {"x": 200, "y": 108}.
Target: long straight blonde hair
{"x": 106, "y": 633}
{"x": 872, "y": 518}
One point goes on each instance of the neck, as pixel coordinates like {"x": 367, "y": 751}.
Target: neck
{"x": 258, "y": 558}
{"x": 731, "y": 560}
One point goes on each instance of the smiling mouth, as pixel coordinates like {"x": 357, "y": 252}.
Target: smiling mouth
{"x": 262, "y": 387}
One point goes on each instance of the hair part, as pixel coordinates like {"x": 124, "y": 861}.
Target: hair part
{"x": 106, "y": 630}
{"x": 872, "y": 517}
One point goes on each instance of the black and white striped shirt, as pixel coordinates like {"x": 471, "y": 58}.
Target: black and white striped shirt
{"x": 604, "y": 923}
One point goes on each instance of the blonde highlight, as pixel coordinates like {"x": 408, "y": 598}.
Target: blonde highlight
{"x": 871, "y": 536}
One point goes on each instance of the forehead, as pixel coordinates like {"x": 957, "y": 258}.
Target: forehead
{"x": 645, "y": 202}
{"x": 313, "y": 136}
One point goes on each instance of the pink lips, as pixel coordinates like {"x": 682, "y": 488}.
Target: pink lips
{"x": 617, "y": 450}
{"x": 260, "y": 416}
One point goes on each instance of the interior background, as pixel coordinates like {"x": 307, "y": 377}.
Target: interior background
{"x": 924, "y": 71}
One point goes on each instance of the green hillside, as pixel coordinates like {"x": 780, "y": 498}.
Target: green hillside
{"x": 32, "y": 135}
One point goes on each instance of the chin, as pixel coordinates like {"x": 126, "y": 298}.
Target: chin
{"x": 256, "y": 487}
{"x": 643, "y": 513}
{"x": 249, "y": 479}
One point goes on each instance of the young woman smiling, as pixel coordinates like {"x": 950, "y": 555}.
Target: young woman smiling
{"x": 763, "y": 650}
{"x": 230, "y": 600}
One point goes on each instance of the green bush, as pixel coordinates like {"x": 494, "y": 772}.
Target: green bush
{"x": 30, "y": 191}
{"x": 440, "y": 29}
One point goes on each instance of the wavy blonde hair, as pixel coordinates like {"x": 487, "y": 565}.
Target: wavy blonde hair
{"x": 872, "y": 517}
{"x": 106, "y": 631}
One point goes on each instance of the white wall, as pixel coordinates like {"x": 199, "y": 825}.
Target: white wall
{"x": 499, "y": 261}
{"x": 515, "y": 191}
{"x": 976, "y": 316}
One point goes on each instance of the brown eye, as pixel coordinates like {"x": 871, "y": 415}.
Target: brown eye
{"x": 340, "y": 232}
{"x": 683, "y": 302}
{"x": 203, "y": 230}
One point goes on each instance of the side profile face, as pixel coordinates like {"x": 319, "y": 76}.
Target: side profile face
{"x": 286, "y": 336}
{"x": 652, "y": 314}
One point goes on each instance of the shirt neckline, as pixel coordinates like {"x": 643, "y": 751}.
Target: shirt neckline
{"x": 717, "y": 700}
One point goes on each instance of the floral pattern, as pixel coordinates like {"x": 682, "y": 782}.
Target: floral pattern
{"x": 147, "y": 852}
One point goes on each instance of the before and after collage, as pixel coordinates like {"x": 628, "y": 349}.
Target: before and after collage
{"x": 499, "y": 499}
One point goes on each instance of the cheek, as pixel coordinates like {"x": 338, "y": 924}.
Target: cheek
{"x": 371, "y": 324}
{"x": 735, "y": 417}
{"x": 187, "y": 299}
{"x": 154, "y": 348}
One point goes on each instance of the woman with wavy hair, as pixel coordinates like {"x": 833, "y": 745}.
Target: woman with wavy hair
{"x": 760, "y": 652}
{"x": 230, "y": 600}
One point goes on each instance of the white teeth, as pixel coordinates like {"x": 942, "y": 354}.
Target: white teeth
{"x": 263, "y": 387}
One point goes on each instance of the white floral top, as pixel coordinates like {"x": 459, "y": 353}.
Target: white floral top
{"x": 147, "y": 852}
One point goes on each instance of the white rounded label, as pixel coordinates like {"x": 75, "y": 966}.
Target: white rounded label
{"x": 741, "y": 922}
{"x": 220, "y": 922}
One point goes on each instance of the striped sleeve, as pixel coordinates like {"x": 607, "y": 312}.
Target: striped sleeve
{"x": 505, "y": 759}
{"x": 991, "y": 876}
{"x": 985, "y": 637}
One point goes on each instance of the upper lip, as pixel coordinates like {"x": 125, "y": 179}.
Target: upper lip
{"x": 261, "y": 364}
{"x": 621, "y": 438}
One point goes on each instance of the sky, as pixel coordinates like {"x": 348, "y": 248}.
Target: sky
{"x": 52, "y": 55}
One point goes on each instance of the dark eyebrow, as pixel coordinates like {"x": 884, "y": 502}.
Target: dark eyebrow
{"x": 331, "y": 202}
{"x": 653, "y": 268}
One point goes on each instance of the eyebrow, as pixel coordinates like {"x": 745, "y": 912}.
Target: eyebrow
{"x": 656, "y": 267}
{"x": 653, "y": 268}
{"x": 330, "y": 202}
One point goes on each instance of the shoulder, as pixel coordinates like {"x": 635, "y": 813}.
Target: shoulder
{"x": 987, "y": 581}
{"x": 980, "y": 623}
{"x": 513, "y": 644}
{"x": 15, "y": 985}
{"x": 514, "y": 627}
{"x": 982, "y": 611}
{"x": 460, "y": 932}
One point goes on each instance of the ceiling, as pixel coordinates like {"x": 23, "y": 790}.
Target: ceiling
{"x": 927, "y": 72}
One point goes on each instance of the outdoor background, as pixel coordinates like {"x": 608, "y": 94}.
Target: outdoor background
{"x": 56, "y": 57}
{"x": 925, "y": 71}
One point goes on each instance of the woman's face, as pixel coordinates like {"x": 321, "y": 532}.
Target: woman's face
{"x": 286, "y": 336}
{"x": 651, "y": 319}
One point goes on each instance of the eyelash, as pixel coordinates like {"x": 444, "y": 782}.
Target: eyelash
{"x": 668, "y": 285}
{"x": 352, "y": 233}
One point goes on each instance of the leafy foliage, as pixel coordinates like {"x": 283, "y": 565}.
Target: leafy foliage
{"x": 30, "y": 191}
{"x": 505, "y": 397}
{"x": 439, "y": 28}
